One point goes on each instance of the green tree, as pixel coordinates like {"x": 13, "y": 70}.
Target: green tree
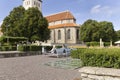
{"x": 118, "y": 34}
{"x": 12, "y": 23}
{"x": 91, "y": 30}
{"x": 26, "y": 23}
{"x": 35, "y": 26}
{"x": 88, "y": 31}
{"x": 107, "y": 31}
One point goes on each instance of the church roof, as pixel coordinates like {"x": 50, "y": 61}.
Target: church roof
{"x": 60, "y": 16}
{"x": 63, "y": 25}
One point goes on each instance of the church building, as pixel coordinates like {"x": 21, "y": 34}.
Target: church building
{"x": 62, "y": 25}
{"x": 63, "y": 28}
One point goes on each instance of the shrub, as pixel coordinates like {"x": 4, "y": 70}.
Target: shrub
{"x": 77, "y": 53}
{"x": 29, "y": 48}
{"x": 107, "y": 57}
{"x": 23, "y": 48}
{"x": 107, "y": 44}
{"x": 97, "y": 44}
{"x": 58, "y": 46}
{"x": 8, "y": 48}
{"x": 92, "y": 44}
{"x": 35, "y": 48}
{"x": 48, "y": 48}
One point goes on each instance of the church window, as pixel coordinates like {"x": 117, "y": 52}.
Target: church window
{"x": 38, "y": 4}
{"x": 59, "y": 34}
{"x": 25, "y": 3}
{"x": 77, "y": 33}
{"x": 34, "y": 3}
{"x": 61, "y": 22}
{"x": 29, "y": 3}
{"x": 68, "y": 34}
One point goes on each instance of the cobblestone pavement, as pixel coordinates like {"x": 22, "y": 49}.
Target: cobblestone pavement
{"x": 33, "y": 68}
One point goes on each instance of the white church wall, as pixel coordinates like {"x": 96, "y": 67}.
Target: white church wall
{"x": 61, "y": 22}
{"x": 62, "y": 40}
{"x": 72, "y": 35}
{"x": 54, "y": 35}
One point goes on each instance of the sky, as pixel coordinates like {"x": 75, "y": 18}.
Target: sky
{"x": 100, "y": 10}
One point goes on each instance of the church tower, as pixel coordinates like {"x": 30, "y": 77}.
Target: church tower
{"x": 32, "y": 3}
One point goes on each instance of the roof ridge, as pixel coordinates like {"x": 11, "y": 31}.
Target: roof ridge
{"x": 57, "y": 13}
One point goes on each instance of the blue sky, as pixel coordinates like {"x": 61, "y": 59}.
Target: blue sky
{"x": 100, "y": 10}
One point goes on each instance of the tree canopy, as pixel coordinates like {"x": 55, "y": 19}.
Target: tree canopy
{"x": 118, "y": 34}
{"x": 26, "y": 23}
{"x": 91, "y": 30}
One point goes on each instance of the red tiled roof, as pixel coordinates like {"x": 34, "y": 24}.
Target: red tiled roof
{"x": 60, "y": 16}
{"x": 63, "y": 25}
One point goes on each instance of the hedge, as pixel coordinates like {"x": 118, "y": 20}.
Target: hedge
{"x": 34, "y": 48}
{"x": 8, "y": 48}
{"x": 25, "y": 48}
{"x": 106, "y": 57}
{"x": 97, "y": 44}
{"x": 29, "y": 48}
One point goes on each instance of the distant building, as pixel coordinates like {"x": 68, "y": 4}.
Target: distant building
{"x": 32, "y": 3}
{"x": 63, "y": 28}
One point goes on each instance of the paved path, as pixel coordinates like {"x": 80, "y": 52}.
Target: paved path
{"x": 33, "y": 68}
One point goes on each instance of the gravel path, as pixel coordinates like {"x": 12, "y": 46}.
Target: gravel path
{"x": 33, "y": 68}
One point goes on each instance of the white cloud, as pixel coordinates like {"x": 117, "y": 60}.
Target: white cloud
{"x": 98, "y": 9}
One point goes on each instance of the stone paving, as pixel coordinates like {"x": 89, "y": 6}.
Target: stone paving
{"x": 33, "y": 68}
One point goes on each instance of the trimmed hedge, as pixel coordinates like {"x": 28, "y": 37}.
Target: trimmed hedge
{"x": 34, "y": 48}
{"x": 8, "y": 48}
{"x": 106, "y": 57}
{"x": 26, "y": 48}
{"x": 97, "y": 44}
{"x": 29, "y": 48}
{"x": 92, "y": 44}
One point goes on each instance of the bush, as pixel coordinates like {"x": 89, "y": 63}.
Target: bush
{"x": 76, "y": 53}
{"x": 97, "y": 44}
{"x": 35, "y": 48}
{"x": 58, "y": 46}
{"x": 48, "y": 48}
{"x": 109, "y": 58}
{"x": 107, "y": 44}
{"x": 8, "y": 48}
{"x": 92, "y": 44}
{"x": 29, "y": 48}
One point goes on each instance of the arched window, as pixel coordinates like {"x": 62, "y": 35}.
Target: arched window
{"x": 34, "y": 3}
{"x": 68, "y": 34}
{"x": 77, "y": 34}
{"x": 59, "y": 34}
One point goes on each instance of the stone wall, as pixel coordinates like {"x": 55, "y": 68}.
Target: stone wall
{"x": 95, "y": 73}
